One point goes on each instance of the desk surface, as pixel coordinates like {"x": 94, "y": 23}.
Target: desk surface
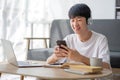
{"x": 49, "y": 73}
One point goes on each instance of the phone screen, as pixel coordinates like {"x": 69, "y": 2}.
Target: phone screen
{"x": 61, "y": 42}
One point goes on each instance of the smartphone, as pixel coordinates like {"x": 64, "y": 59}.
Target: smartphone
{"x": 61, "y": 42}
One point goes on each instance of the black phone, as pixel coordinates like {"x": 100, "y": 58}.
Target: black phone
{"x": 61, "y": 42}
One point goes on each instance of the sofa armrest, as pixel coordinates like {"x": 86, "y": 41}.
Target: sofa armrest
{"x": 115, "y": 59}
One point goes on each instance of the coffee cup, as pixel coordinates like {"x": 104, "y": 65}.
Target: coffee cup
{"x": 97, "y": 62}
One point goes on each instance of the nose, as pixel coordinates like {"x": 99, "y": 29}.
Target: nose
{"x": 76, "y": 23}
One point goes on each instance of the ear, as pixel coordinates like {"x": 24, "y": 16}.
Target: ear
{"x": 90, "y": 21}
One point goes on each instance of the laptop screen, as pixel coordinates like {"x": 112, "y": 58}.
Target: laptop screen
{"x": 9, "y": 52}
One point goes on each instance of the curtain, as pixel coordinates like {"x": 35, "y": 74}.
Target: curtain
{"x": 18, "y": 18}
{"x": 13, "y": 23}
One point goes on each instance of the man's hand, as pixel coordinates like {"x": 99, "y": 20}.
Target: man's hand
{"x": 71, "y": 53}
{"x": 58, "y": 53}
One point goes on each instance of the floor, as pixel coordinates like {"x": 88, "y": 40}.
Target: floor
{"x": 116, "y": 73}
{"x": 116, "y": 77}
{"x": 14, "y": 77}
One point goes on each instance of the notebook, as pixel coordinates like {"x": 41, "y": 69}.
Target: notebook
{"x": 11, "y": 58}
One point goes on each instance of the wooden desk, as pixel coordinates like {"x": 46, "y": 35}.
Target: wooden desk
{"x": 49, "y": 73}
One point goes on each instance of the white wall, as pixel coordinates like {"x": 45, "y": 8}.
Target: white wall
{"x": 101, "y": 9}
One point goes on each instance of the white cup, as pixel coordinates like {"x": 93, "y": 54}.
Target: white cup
{"x": 94, "y": 61}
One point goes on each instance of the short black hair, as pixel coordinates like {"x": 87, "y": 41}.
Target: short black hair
{"x": 79, "y": 10}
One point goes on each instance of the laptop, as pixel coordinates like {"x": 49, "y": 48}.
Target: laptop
{"x": 11, "y": 58}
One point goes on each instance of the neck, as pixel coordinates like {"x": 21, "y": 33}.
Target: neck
{"x": 85, "y": 36}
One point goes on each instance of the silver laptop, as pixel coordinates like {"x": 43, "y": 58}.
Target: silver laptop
{"x": 11, "y": 58}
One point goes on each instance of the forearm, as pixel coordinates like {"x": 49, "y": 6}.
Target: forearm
{"x": 85, "y": 60}
{"x": 82, "y": 59}
{"x": 51, "y": 59}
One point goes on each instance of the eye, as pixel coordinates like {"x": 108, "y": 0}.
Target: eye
{"x": 72, "y": 20}
{"x": 79, "y": 20}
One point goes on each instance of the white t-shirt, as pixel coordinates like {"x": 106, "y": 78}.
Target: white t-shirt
{"x": 96, "y": 46}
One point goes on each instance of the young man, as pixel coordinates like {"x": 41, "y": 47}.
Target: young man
{"x": 85, "y": 43}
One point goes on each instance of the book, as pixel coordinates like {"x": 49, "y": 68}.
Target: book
{"x": 90, "y": 69}
{"x": 82, "y": 69}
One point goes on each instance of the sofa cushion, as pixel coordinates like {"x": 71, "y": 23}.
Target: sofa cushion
{"x": 111, "y": 29}
{"x": 39, "y": 54}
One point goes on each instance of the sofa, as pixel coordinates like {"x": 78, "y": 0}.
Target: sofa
{"x": 61, "y": 27}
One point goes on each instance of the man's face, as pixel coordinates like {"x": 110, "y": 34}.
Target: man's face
{"x": 78, "y": 24}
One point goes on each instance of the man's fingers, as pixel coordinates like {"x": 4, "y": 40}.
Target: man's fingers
{"x": 66, "y": 48}
{"x": 60, "y": 55}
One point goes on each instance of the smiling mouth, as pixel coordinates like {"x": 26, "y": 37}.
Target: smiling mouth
{"x": 77, "y": 29}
